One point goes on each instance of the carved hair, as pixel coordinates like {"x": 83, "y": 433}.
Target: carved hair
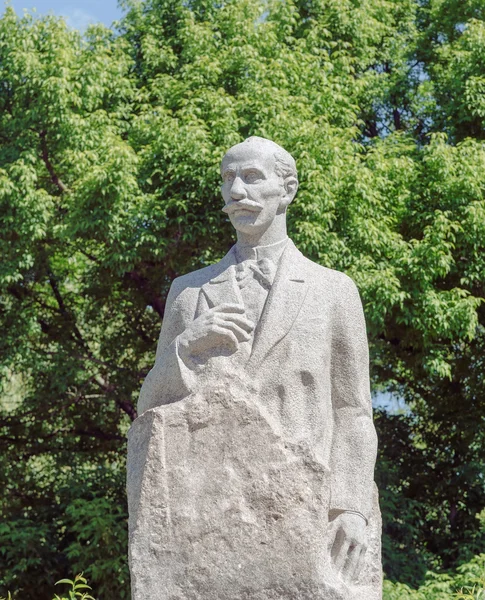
{"x": 285, "y": 168}
{"x": 285, "y": 165}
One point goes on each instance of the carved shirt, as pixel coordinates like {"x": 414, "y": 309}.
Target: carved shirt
{"x": 255, "y": 272}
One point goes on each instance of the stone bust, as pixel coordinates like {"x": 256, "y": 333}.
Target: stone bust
{"x": 294, "y": 332}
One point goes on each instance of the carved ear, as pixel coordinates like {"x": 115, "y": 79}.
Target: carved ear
{"x": 291, "y": 187}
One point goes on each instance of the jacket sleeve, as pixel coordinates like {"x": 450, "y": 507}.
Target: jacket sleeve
{"x": 354, "y": 441}
{"x": 170, "y": 379}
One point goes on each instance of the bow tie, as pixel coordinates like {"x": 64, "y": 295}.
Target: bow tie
{"x": 262, "y": 270}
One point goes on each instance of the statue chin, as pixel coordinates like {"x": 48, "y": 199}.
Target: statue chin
{"x": 245, "y": 221}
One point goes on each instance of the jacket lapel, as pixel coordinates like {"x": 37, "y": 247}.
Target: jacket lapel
{"x": 223, "y": 286}
{"x": 283, "y": 304}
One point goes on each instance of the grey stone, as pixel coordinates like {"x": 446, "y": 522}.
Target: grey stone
{"x": 250, "y": 468}
{"x": 238, "y": 513}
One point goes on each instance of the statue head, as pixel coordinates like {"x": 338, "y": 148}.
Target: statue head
{"x": 259, "y": 180}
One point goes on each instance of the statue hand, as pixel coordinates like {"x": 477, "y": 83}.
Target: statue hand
{"x": 347, "y": 544}
{"x": 223, "y": 326}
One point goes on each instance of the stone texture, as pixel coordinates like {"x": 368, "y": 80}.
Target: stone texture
{"x": 223, "y": 507}
{"x": 250, "y": 467}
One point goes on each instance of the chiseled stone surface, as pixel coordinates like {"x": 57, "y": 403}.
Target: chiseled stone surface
{"x": 250, "y": 467}
{"x": 222, "y": 507}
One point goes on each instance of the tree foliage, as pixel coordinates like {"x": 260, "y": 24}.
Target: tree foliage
{"x": 110, "y": 145}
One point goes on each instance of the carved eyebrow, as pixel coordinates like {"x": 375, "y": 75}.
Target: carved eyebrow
{"x": 248, "y": 170}
{"x": 251, "y": 168}
{"x": 228, "y": 171}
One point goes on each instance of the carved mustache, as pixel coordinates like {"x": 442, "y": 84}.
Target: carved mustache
{"x": 242, "y": 205}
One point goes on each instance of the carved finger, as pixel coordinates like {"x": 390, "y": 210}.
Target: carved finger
{"x": 332, "y": 532}
{"x": 240, "y": 320}
{"x": 351, "y": 563}
{"x": 238, "y": 332}
{"x": 342, "y": 554}
{"x": 360, "y": 563}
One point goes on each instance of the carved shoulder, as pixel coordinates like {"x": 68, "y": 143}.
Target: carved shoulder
{"x": 335, "y": 283}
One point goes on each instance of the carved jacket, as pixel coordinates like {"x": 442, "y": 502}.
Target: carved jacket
{"x": 309, "y": 357}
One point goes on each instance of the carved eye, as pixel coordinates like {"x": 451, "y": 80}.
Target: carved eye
{"x": 252, "y": 176}
{"x": 229, "y": 176}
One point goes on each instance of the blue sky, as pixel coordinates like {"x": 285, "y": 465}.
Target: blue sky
{"x": 78, "y": 14}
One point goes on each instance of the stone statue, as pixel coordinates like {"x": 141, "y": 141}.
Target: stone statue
{"x": 250, "y": 467}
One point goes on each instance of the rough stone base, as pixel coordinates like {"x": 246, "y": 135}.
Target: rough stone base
{"x": 223, "y": 508}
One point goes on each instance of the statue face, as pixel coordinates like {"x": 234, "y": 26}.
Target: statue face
{"x": 253, "y": 192}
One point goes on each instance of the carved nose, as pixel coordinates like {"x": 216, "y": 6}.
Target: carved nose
{"x": 237, "y": 190}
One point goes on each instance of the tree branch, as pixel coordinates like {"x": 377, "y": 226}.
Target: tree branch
{"x": 125, "y": 405}
{"x": 151, "y": 298}
{"x": 97, "y": 433}
{"x": 45, "y": 157}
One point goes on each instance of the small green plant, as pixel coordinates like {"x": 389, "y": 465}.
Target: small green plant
{"x": 470, "y": 580}
{"x": 474, "y": 593}
{"x": 468, "y": 583}
{"x": 76, "y": 592}
{"x": 78, "y": 585}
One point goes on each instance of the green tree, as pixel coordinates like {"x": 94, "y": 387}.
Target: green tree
{"x": 109, "y": 155}
{"x": 64, "y": 105}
